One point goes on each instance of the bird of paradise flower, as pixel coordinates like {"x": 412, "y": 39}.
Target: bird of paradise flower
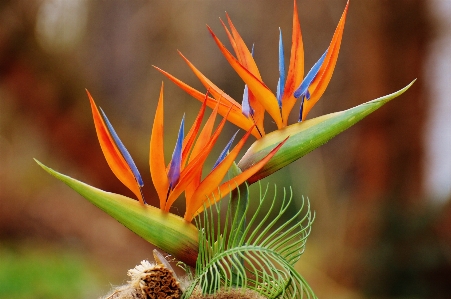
{"x": 269, "y": 153}
{"x": 258, "y": 98}
{"x": 184, "y": 171}
{"x": 292, "y": 86}
{"x": 182, "y": 174}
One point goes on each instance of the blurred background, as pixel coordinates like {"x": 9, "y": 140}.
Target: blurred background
{"x": 381, "y": 190}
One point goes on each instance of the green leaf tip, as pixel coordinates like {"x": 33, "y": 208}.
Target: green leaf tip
{"x": 307, "y": 135}
{"x": 167, "y": 231}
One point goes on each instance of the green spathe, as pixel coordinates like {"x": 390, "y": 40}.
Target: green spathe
{"x": 167, "y": 231}
{"x": 306, "y": 136}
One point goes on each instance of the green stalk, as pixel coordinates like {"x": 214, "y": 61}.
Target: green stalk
{"x": 239, "y": 201}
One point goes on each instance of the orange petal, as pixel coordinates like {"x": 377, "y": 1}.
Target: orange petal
{"x": 186, "y": 177}
{"x": 246, "y": 59}
{"x": 259, "y": 113}
{"x": 191, "y": 170}
{"x": 230, "y": 185}
{"x": 235, "y": 115}
{"x": 156, "y": 155}
{"x": 205, "y": 134}
{"x": 112, "y": 154}
{"x": 242, "y": 52}
{"x": 192, "y": 133}
{"x": 321, "y": 80}
{"x": 231, "y": 39}
{"x": 259, "y": 110}
{"x": 263, "y": 94}
{"x": 201, "y": 142}
{"x": 213, "y": 180}
{"x": 296, "y": 68}
{"x": 216, "y": 92}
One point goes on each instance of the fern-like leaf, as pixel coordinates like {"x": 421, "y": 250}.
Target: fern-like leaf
{"x": 260, "y": 258}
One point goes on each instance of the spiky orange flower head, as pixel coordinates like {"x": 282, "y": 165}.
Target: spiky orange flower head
{"x": 184, "y": 172}
{"x": 258, "y": 98}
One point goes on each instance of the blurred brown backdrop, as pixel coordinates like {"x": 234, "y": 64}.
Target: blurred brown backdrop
{"x": 378, "y": 233}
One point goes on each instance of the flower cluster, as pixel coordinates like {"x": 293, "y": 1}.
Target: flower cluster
{"x": 208, "y": 248}
{"x": 184, "y": 171}
{"x": 258, "y": 98}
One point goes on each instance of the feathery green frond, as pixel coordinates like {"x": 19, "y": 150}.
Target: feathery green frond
{"x": 260, "y": 258}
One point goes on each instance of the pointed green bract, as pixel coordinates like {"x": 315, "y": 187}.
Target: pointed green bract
{"x": 167, "y": 231}
{"x": 306, "y": 136}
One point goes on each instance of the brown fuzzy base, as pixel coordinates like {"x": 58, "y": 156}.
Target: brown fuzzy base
{"x": 128, "y": 292}
{"x": 229, "y": 294}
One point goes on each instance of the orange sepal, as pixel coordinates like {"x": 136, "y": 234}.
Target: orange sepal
{"x": 244, "y": 57}
{"x": 242, "y": 52}
{"x": 232, "y": 184}
{"x": 263, "y": 94}
{"x": 215, "y": 91}
{"x": 236, "y": 117}
{"x": 218, "y": 94}
{"x": 191, "y": 170}
{"x": 113, "y": 156}
{"x": 203, "y": 139}
{"x": 213, "y": 180}
{"x": 296, "y": 69}
{"x": 156, "y": 154}
{"x": 231, "y": 40}
{"x": 324, "y": 75}
{"x": 192, "y": 133}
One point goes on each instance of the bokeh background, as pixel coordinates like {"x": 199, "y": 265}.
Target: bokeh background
{"x": 381, "y": 190}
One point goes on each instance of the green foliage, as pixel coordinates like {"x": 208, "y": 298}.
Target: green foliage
{"x": 260, "y": 258}
{"x": 27, "y": 273}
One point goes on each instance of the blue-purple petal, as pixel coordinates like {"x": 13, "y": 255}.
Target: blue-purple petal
{"x": 123, "y": 150}
{"x": 301, "y": 109}
{"x": 176, "y": 162}
{"x": 279, "y": 91}
{"x": 225, "y": 151}
{"x": 282, "y": 77}
{"x": 302, "y": 90}
{"x": 246, "y": 108}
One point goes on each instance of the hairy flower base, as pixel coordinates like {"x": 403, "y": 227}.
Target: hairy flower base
{"x": 159, "y": 281}
{"x": 229, "y": 294}
{"x": 149, "y": 280}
